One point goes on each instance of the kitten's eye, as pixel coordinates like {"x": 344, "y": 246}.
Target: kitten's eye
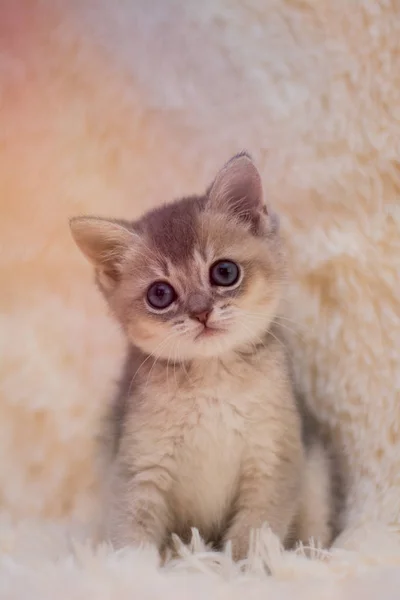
{"x": 160, "y": 295}
{"x": 224, "y": 273}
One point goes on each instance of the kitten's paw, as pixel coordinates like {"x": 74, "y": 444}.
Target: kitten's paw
{"x": 239, "y": 546}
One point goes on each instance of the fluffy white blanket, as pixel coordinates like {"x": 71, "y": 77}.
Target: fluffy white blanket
{"x": 49, "y": 561}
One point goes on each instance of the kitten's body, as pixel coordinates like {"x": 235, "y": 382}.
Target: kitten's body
{"x": 206, "y": 431}
{"x": 210, "y": 429}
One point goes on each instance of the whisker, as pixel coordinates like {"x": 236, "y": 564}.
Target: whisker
{"x": 148, "y": 357}
{"x": 289, "y": 329}
{"x": 149, "y": 373}
{"x": 296, "y": 323}
{"x": 253, "y": 344}
{"x": 261, "y": 316}
{"x": 168, "y": 338}
{"x": 175, "y": 355}
{"x": 273, "y": 335}
{"x": 167, "y": 377}
{"x": 141, "y": 365}
{"x": 186, "y": 371}
{"x": 278, "y": 340}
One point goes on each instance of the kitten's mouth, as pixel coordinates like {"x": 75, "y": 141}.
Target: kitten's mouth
{"x": 208, "y": 331}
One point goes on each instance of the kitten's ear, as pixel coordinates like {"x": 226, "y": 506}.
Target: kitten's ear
{"x": 104, "y": 243}
{"x": 237, "y": 189}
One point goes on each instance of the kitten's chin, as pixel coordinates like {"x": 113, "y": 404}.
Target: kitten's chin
{"x": 221, "y": 342}
{"x": 211, "y": 342}
{"x": 203, "y": 345}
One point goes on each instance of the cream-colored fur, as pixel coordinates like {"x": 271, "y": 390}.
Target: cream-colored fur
{"x": 222, "y": 442}
{"x": 316, "y": 498}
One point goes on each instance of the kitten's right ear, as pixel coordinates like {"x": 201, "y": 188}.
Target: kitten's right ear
{"x": 237, "y": 190}
{"x": 104, "y": 243}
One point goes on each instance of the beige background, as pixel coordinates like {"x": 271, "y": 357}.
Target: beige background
{"x": 111, "y": 107}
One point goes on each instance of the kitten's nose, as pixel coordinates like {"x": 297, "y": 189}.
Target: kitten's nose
{"x": 201, "y": 316}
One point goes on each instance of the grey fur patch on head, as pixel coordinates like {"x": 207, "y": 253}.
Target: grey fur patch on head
{"x": 172, "y": 228}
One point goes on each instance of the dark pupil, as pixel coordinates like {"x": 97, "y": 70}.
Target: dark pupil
{"x": 224, "y": 273}
{"x": 160, "y": 295}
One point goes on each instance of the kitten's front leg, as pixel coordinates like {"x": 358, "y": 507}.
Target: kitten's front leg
{"x": 139, "y": 514}
{"x": 264, "y": 498}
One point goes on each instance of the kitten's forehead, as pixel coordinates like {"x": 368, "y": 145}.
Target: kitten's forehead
{"x": 192, "y": 274}
{"x": 173, "y": 229}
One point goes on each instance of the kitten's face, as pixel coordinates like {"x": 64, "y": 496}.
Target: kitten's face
{"x": 198, "y": 278}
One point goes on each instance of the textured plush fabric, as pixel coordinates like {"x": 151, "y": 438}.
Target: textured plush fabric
{"x": 112, "y": 107}
{"x": 39, "y": 561}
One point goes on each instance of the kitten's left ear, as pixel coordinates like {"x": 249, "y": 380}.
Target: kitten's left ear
{"x": 237, "y": 189}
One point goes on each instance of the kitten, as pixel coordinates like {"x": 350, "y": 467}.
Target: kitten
{"x": 206, "y": 431}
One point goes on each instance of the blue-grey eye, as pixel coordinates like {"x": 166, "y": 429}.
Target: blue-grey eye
{"x": 160, "y": 295}
{"x": 224, "y": 273}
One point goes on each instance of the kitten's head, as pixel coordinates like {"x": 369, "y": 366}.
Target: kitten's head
{"x": 196, "y": 278}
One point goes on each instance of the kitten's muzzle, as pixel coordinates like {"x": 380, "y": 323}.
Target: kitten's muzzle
{"x": 208, "y": 332}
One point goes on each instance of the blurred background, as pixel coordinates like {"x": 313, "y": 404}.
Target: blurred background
{"x": 110, "y": 107}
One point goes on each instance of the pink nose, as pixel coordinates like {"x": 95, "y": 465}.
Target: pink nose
{"x": 201, "y": 316}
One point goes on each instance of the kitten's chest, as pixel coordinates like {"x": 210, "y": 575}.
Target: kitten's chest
{"x": 212, "y": 420}
{"x": 208, "y": 454}
{"x": 215, "y": 409}
{"x": 209, "y": 448}
{"x": 214, "y": 416}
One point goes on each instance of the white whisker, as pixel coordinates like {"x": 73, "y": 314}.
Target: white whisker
{"x": 167, "y": 339}
{"x": 155, "y": 354}
{"x": 278, "y": 340}
{"x": 261, "y": 317}
{"x": 291, "y": 329}
{"x": 151, "y": 355}
{"x": 175, "y": 357}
